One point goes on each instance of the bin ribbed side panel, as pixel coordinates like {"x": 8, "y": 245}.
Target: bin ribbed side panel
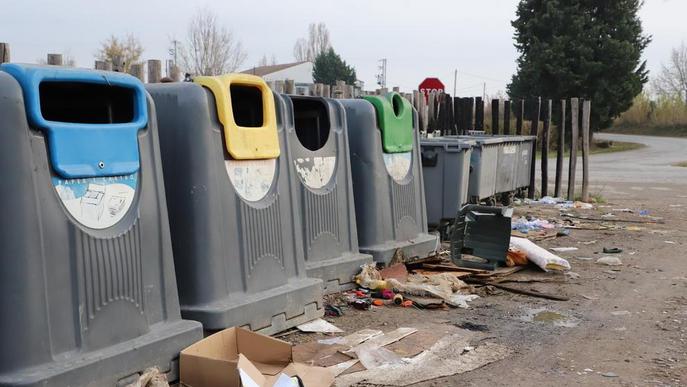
{"x": 111, "y": 269}
{"x": 403, "y": 201}
{"x": 321, "y": 215}
{"x": 262, "y": 230}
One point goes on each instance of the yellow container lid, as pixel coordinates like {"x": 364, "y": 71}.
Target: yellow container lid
{"x": 256, "y": 139}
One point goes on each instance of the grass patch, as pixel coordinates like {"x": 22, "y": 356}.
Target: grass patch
{"x": 681, "y": 164}
{"x": 599, "y": 147}
{"x": 665, "y": 131}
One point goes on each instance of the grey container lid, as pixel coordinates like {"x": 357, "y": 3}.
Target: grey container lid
{"x": 450, "y": 144}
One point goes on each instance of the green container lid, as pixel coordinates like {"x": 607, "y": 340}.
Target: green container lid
{"x": 395, "y": 120}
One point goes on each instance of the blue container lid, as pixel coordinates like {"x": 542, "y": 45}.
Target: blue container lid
{"x": 79, "y": 150}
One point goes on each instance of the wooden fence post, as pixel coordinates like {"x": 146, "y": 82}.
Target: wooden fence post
{"x": 118, "y": 64}
{"x": 520, "y": 117}
{"x": 506, "y": 117}
{"x": 4, "y": 52}
{"x": 572, "y": 164}
{"x": 136, "y": 69}
{"x": 154, "y": 70}
{"x": 55, "y": 59}
{"x": 103, "y": 65}
{"x": 495, "y": 116}
{"x": 479, "y": 114}
{"x": 290, "y": 86}
{"x": 469, "y": 106}
{"x": 586, "y": 114}
{"x": 560, "y": 151}
{"x": 458, "y": 114}
{"x": 536, "y": 114}
{"x": 546, "y": 131}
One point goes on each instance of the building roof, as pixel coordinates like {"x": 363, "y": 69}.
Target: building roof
{"x": 264, "y": 70}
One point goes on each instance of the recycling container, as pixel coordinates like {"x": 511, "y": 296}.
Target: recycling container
{"x": 446, "y": 174}
{"x": 87, "y": 284}
{"x": 320, "y": 171}
{"x": 525, "y": 152}
{"x": 483, "y": 167}
{"x": 236, "y": 232}
{"x": 387, "y": 178}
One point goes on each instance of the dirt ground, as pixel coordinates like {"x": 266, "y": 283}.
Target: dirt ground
{"x": 624, "y": 325}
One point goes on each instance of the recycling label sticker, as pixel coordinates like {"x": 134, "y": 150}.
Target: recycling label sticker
{"x": 315, "y": 172}
{"x": 97, "y": 202}
{"x": 252, "y": 179}
{"x": 398, "y": 164}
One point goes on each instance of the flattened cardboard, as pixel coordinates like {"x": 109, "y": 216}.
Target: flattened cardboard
{"x": 216, "y": 360}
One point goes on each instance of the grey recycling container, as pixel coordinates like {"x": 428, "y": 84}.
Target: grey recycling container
{"x": 483, "y": 167}
{"x": 387, "y": 178}
{"x": 446, "y": 174}
{"x": 236, "y": 232}
{"x": 523, "y": 169}
{"x": 87, "y": 284}
{"x": 320, "y": 171}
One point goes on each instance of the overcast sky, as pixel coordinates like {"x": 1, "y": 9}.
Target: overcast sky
{"x": 418, "y": 38}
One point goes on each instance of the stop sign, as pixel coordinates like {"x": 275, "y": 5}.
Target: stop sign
{"x": 429, "y": 85}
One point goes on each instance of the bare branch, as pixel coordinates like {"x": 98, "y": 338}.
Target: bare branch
{"x": 317, "y": 43}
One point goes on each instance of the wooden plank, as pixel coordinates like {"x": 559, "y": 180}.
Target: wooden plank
{"x": 55, "y": 59}
{"x": 546, "y": 132}
{"x": 290, "y": 86}
{"x": 495, "y": 116}
{"x": 103, "y": 65}
{"x": 519, "y": 116}
{"x": 560, "y": 151}
{"x": 136, "y": 69}
{"x": 586, "y": 115}
{"x": 506, "y": 117}
{"x": 572, "y": 164}
{"x": 4, "y": 52}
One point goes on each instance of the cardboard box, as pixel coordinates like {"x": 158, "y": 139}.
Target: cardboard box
{"x": 237, "y": 357}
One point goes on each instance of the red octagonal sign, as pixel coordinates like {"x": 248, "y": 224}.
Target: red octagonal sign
{"x": 429, "y": 85}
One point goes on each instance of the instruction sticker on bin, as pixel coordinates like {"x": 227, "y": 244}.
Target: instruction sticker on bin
{"x": 97, "y": 202}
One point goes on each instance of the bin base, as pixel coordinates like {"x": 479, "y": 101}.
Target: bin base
{"x": 422, "y": 246}
{"x": 108, "y": 366}
{"x": 269, "y": 311}
{"x": 337, "y": 273}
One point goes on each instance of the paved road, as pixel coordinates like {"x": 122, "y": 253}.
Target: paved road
{"x": 651, "y": 164}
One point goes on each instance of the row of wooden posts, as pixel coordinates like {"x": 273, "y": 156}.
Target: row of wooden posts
{"x": 439, "y": 112}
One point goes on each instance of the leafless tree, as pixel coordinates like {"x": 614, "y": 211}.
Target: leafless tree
{"x": 128, "y": 50}
{"x": 267, "y": 62}
{"x": 210, "y": 49}
{"x": 672, "y": 80}
{"x": 316, "y": 43}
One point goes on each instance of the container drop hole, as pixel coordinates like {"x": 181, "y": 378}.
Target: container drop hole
{"x": 397, "y": 103}
{"x": 246, "y": 103}
{"x": 311, "y": 120}
{"x": 86, "y": 103}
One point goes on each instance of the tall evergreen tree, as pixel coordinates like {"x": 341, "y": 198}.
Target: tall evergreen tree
{"x": 581, "y": 48}
{"x": 329, "y": 68}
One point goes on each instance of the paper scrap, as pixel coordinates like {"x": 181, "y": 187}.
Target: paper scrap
{"x": 319, "y": 326}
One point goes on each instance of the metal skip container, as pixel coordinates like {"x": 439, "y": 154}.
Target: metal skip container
{"x": 446, "y": 175}
{"x": 236, "y": 229}
{"x": 387, "y": 178}
{"x": 87, "y": 284}
{"x": 317, "y": 150}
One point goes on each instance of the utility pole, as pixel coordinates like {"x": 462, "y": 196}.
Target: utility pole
{"x": 381, "y": 76}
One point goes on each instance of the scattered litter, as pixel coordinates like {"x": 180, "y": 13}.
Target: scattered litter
{"x": 373, "y": 357}
{"x": 370, "y": 278}
{"x": 384, "y": 339}
{"x": 151, "y": 377}
{"x": 319, "y": 326}
{"x": 589, "y": 242}
{"x": 525, "y": 225}
{"x": 621, "y": 313}
{"x": 609, "y": 261}
{"x": 610, "y": 374}
{"x": 572, "y": 275}
{"x": 634, "y": 228}
{"x": 563, "y": 232}
{"x": 563, "y": 249}
{"x": 589, "y": 297}
{"x": 669, "y": 242}
{"x": 444, "y": 358}
{"x": 608, "y": 215}
{"x": 340, "y": 368}
{"x": 622, "y": 210}
{"x": 473, "y": 327}
{"x": 612, "y": 250}
{"x": 332, "y": 311}
{"x": 353, "y": 339}
{"x": 584, "y": 258}
{"x": 540, "y": 256}
{"x": 397, "y": 271}
{"x": 516, "y": 257}
{"x": 675, "y": 205}
{"x": 643, "y": 212}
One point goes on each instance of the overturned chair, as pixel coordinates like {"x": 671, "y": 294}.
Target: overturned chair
{"x": 87, "y": 284}
{"x": 236, "y": 231}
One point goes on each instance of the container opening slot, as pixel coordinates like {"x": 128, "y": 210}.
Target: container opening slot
{"x": 311, "y": 120}
{"x": 246, "y": 103}
{"x": 86, "y": 103}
